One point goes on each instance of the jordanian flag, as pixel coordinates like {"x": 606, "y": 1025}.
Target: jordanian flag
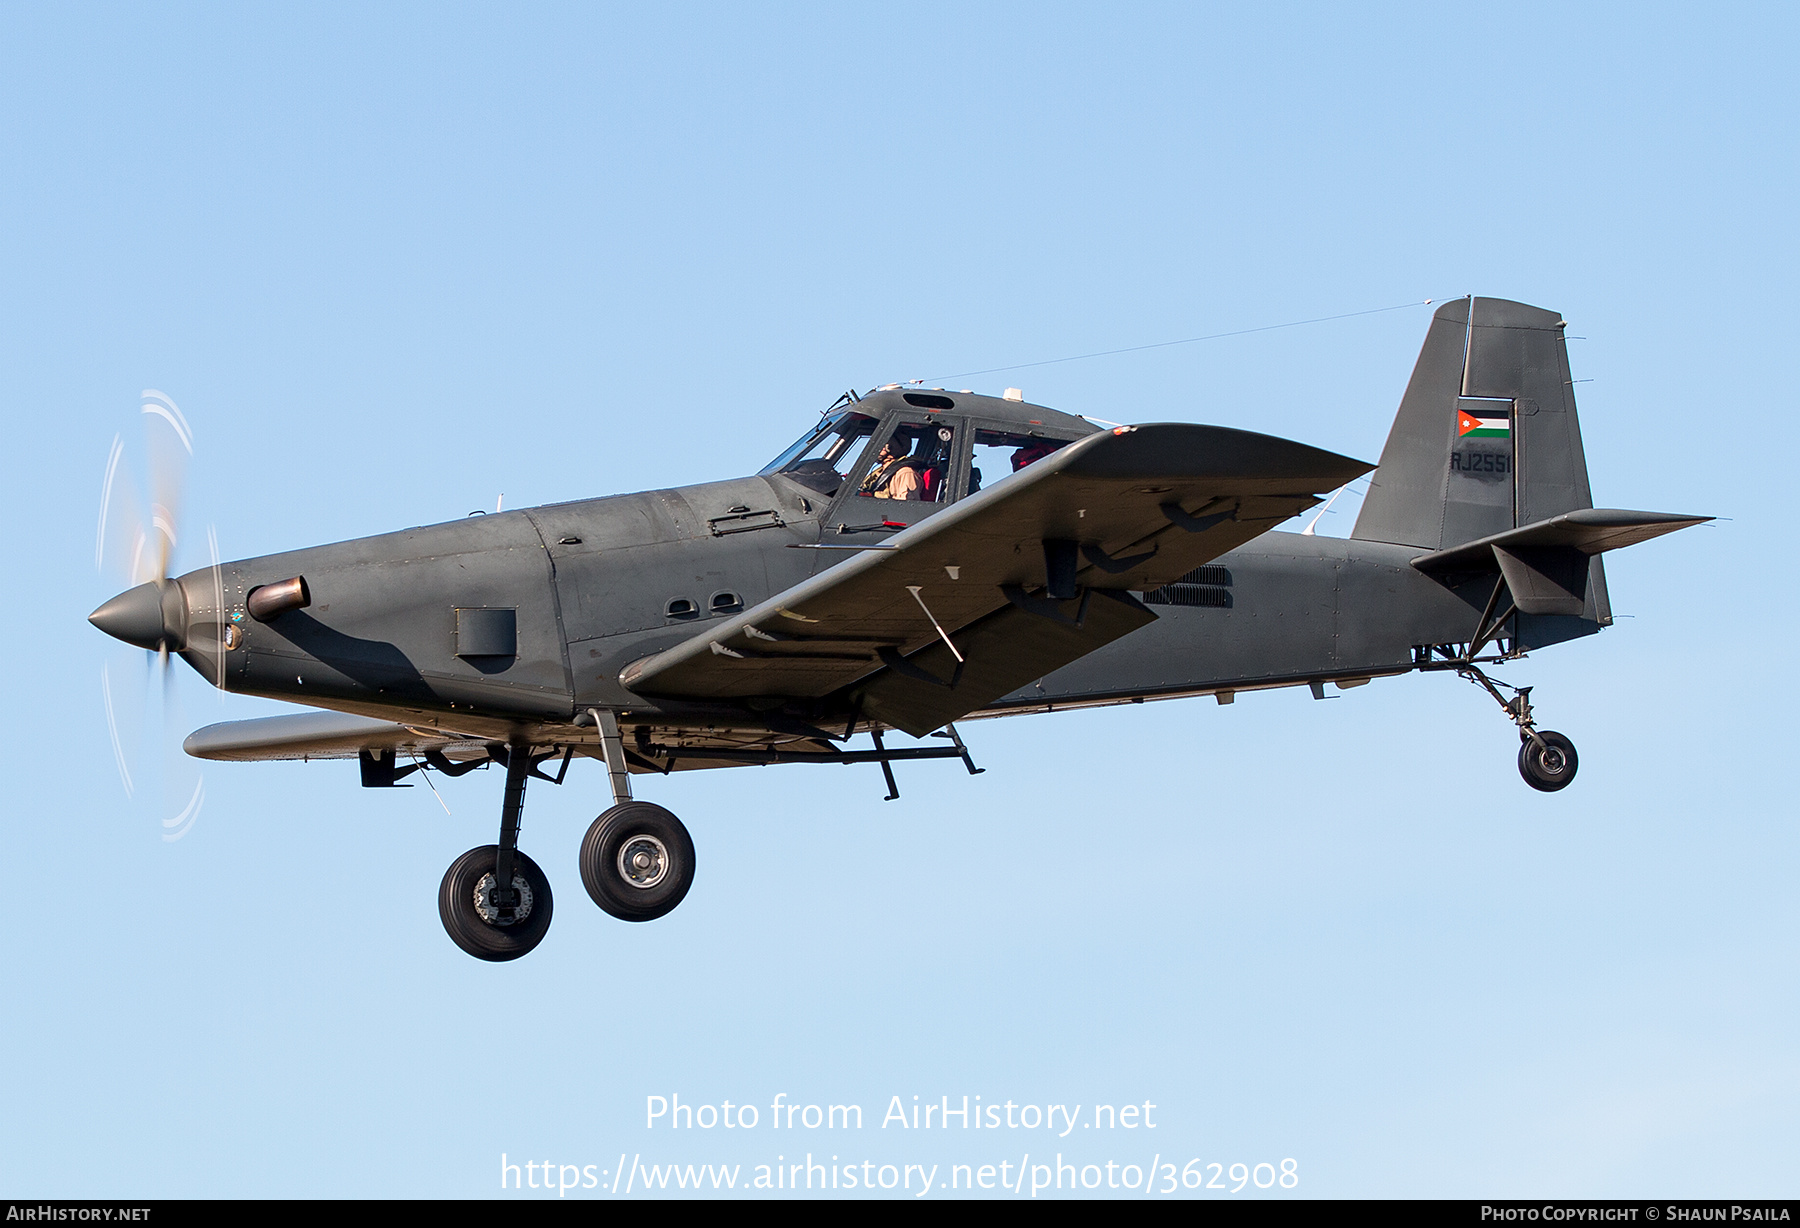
{"x": 1468, "y": 424}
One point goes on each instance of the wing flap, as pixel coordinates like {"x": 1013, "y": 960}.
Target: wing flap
{"x": 1004, "y": 651}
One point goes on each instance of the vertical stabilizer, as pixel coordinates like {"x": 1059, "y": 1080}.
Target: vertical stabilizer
{"x": 1486, "y": 438}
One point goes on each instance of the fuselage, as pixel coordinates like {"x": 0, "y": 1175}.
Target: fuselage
{"x": 532, "y": 615}
{"x": 597, "y": 584}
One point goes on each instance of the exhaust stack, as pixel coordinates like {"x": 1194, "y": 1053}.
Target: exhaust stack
{"x": 268, "y": 600}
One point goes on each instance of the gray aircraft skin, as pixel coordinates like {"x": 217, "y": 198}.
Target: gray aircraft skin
{"x": 776, "y": 617}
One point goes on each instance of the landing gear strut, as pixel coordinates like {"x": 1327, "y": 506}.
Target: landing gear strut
{"x": 1547, "y": 760}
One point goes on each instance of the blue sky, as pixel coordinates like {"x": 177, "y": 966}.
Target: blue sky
{"x": 393, "y": 262}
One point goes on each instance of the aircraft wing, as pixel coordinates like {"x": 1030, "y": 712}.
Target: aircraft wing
{"x": 1016, "y": 580}
{"x": 322, "y": 735}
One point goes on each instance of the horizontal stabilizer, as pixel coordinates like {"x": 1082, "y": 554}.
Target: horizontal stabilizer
{"x": 1591, "y": 530}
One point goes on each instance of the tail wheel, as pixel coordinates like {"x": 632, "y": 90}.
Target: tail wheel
{"x": 637, "y": 861}
{"x": 1549, "y": 766}
{"x": 490, "y": 920}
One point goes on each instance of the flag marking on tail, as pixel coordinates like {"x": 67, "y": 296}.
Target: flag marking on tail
{"x": 1482, "y": 428}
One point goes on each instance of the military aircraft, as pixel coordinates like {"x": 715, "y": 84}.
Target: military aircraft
{"x": 917, "y": 557}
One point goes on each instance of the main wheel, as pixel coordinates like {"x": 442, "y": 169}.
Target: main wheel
{"x": 1548, "y": 767}
{"x": 637, "y": 861}
{"x": 487, "y": 922}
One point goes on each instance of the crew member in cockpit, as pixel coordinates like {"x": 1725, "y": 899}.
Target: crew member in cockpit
{"x": 893, "y": 477}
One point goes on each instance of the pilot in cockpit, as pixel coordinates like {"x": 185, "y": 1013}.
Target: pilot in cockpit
{"x": 894, "y": 476}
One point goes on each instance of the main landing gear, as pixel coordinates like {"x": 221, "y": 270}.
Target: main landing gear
{"x": 488, "y": 920}
{"x": 1547, "y": 760}
{"x": 637, "y": 860}
{"x": 494, "y": 901}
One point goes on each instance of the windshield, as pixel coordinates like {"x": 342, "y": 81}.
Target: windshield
{"x": 819, "y": 458}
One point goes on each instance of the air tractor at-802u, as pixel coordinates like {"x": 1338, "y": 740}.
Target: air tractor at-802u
{"x": 916, "y": 558}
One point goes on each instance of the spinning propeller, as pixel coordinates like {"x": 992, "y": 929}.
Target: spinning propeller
{"x": 136, "y": 541}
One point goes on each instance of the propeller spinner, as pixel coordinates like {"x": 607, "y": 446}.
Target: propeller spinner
{"x": 137, "y": 539}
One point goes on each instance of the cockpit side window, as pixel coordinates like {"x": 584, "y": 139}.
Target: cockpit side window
{"x": 914, "y": 463}
{"x": 998, "y": 453}
{"x": 819, "y": 459}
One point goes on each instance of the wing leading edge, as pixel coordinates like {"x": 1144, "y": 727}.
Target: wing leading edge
{"x": 1009, "y": 584}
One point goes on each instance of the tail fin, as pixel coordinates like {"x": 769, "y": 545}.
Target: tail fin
{"x": 1486, "y": 438}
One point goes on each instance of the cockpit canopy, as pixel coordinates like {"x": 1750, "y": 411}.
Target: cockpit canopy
{"x": 923, "y": 446}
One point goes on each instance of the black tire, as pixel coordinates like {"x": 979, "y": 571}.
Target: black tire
{"x": 648, "y": 832}
{"x": 492, "y": 937}
{"x": 1551, "y": 766}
